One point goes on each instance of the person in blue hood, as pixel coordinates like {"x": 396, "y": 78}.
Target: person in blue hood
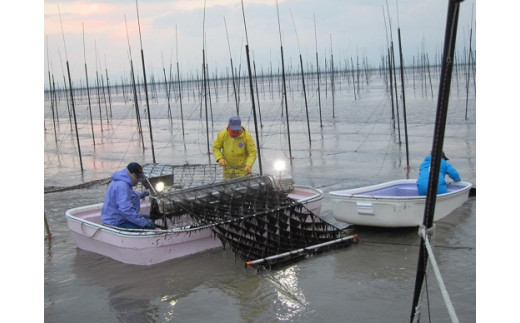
{"x": 445, "y": 169}
{"x": 122, "y": 204}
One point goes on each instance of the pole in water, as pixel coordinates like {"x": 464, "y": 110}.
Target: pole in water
{"x": 134, "y": 87}
{"x": 108, "y": 88}
{"x": 47, "y": 229}
{"x": 179, "y": 85}
{"x": 303, "y": 81}
{"x": 232, "y": 70}
{"x": 395, "y": 89}
{"x": 332, "y": 87}
{"x": 389, "y": 70}
{"x": 167, "y": 89}
{"x": 102, "y": 85}
{"x": 204, "y": 79}
{"x": 145, "y": 84}
{"x": 392, "y": 62}
{"x": 252, "y": 91}
{"x": 258, "y": 96}
{"x": 72, "y": 99}
{"x": 88, "y": 89}
{"x": 438, "y": 141}
{"x": 284, "y": 87}
{"x": 75, "y": 120}
{"x": 404, "y": 103}
{"x": 318, "y": 71}
{"x": 468, "y": 65}
{"x": 98, "y": 94}
{"x": 401, "y": 65}
{"x": 52, "y": 94}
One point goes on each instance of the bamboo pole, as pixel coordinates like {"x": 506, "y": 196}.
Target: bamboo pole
{"x": 401, "y": 65}
{"x": 284, "y": 87}
{"x": 317, "y": 71}
{"x": 305, "y": 97}
{"x": 102, "y": 86}
{"x": 258, "y": 96}
{"x": 134, "y": 87}
{"x": 65, "y": 90}
{"x": 332, "y": 79}
{"x": 72, "y": 99}
{"x": 469, "y": 66}
{"x": 252, "y": 92}
{"x": 52, "y": 94}
{"x": 392, "y": 61}
{"x": 108, "y": 89}
{"x": 395, "y": 88}
{"x": 404, "y": 104}
{"x": 167, "y": 94}
{"x": 303, "y": 81}
{"x": 47, "y": 229}
{"x": 204, "y": 80}
{"x": 145, "y": 84}
{"x": 179, "y": 86}
{"x": 75, "y": 119}
{"x": 88, "y": 89}
{"x": 232, "y": 70}
{"x": 99, "y": 96}
{"x": 389, "y": 69}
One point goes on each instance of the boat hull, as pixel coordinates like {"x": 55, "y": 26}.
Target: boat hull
{"x": 134, "y": 247}
{"x": 148, "y": 247}
{"x": 393, "y": 204}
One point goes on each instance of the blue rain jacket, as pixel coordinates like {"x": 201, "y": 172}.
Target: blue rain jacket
{"x": 424, "y": 174}
{"x": 122, "y": 203}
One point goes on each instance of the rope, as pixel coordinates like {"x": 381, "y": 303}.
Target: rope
{"x": 93, "y": 234}
{"x": 52, "y": 189}
{"x": 423, "y": 232}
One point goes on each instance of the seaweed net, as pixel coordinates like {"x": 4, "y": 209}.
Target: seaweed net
{"x": 256, "y": 218}
{"x": 181, "y": 176}
{"x": 174, "y": 177}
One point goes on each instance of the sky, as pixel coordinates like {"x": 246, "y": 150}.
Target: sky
{"x": 105, "y": 35}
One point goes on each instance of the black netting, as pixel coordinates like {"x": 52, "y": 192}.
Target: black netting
{"x": 181, "y": 176}
{"x": 253, "y": 216}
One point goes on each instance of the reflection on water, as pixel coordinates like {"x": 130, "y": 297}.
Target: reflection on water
{"x": 290, "y": 297}
{"x": 132, "y": 289}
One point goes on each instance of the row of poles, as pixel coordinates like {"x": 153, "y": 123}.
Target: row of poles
{"x": 421, "y": 71}
{"x": 389, "y": 71}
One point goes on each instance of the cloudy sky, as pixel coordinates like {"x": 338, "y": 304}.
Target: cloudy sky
{"x": 103, "y": 33}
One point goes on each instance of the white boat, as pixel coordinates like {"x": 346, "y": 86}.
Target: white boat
{"x": 393, "y": 204}
{"x": 184, "y": 235}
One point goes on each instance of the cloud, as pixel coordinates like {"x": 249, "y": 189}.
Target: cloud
{"x": 350, "y": 28}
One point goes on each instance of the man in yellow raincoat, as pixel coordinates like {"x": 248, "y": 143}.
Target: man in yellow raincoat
{"x": 235, "y": 149}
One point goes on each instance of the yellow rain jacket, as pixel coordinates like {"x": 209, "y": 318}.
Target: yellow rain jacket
{"x": 237, "y": 152}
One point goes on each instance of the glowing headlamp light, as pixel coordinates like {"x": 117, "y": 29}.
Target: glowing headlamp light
{"x": 279, "y": 165}
{"x": 159, "y": 187}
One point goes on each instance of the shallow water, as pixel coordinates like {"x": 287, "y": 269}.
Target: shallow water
{"x": 372, "y": 281}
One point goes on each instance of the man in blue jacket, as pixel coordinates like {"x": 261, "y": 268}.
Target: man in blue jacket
{"x": 122, "y": 203}
{"x": 445, "y": 169}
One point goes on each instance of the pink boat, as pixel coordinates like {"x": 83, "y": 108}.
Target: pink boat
{"x": 181, "y": 234}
